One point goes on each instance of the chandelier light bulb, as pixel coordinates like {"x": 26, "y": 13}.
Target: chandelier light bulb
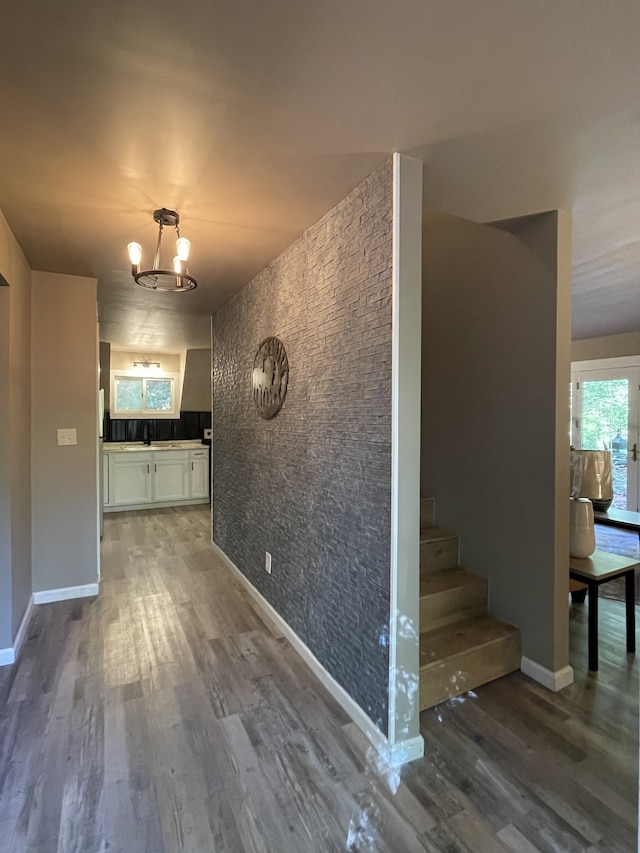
{"x": 135, "y": 253}
{"x": 183, "y": 246}
{"x": 156, "y": 277}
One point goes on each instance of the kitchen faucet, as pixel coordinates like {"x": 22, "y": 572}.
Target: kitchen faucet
{"x": 147, "y": 432}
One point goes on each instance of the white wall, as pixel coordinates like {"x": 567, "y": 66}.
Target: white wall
{"x": 496, "y": 353}
{"x": 164, "y": 364}
{"x": 124, "y": 359}
{"x": 64, "y": 379}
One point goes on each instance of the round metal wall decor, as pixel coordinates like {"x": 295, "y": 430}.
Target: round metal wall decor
{"x": 270, "y": 377}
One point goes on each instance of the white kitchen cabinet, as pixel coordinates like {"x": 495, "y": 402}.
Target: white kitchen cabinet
{"x": 105, "y": 479}
{"x": 130, "y": 478}
{"x": 199, "y": 462}
{"x": 171, "y": 476}
{"x": 137, "y": 478}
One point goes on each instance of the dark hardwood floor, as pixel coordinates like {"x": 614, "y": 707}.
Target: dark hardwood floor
{"x": 167, "y": 716}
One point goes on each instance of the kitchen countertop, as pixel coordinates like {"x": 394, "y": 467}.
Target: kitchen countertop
{"x": 130, "y": 446}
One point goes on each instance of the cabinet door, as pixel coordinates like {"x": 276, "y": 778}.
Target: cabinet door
{"x": 171, "y": 476}
{"x": 199, "y": 474}
{"x": 130, "y": 480}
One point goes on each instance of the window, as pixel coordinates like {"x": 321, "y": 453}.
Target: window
{"x": 143, "y": 396}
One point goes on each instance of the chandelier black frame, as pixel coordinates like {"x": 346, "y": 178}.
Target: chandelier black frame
{"x": 176, "y": 280}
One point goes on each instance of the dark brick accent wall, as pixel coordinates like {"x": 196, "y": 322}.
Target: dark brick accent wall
{"x": 313, "y": 485}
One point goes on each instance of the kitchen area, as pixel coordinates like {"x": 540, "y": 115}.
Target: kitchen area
{"x": 141, "y": 476}
{"x": 156, "y": 428}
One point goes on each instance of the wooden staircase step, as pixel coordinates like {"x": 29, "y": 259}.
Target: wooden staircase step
{"x": 451, "y": 595}
{"x": 462, "y": 655}
{"x": 427, "y": 512}
{"x": 438, "y": 550}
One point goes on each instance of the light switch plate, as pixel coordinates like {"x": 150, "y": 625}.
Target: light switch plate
{"x": 67, "y": 436}
{"x": 208, "y": 434}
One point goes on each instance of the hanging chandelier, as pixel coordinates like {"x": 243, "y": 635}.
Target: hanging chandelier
{"x": 176, "y": 280}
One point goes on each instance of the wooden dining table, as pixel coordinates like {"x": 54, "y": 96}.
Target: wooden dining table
{"x": 600, "y": 567}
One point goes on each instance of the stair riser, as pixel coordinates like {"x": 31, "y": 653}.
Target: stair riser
{"x": 442, "y": 681}
{"x": 427, "y": 512}
{"x": 442, "y": 554}
{"x": 445, "y": 609}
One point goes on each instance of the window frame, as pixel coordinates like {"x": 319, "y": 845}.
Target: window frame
{"x": 148, "y": 414}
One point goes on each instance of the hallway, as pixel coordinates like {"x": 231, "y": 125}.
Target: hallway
{"x": 166, "y": 715}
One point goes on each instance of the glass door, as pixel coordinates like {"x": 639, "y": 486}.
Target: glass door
{"x": 605, "y": 416}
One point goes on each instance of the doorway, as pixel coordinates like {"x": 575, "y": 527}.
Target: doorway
{"x": 605, "y": 415}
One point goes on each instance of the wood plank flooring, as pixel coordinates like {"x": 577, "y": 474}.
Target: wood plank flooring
{"x": 166, "y": 716}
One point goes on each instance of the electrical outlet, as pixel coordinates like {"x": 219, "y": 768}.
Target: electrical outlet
{"x": 267, "y": 562}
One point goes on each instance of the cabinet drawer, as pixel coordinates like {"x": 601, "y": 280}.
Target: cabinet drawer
{"x": 195, "y": 454}
{"x": 159, "y": 455}
{"x": 127, "y": 456}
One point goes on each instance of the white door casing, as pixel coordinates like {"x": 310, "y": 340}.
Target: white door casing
{"x": 622, "y": 377}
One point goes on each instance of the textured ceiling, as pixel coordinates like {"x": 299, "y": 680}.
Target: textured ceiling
{"x": 253, "y": 119}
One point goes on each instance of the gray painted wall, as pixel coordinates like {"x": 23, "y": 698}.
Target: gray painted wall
{"x": 313, "y": 485}
{"x": 196, "y": 390}
{"x": 15, "y": 479}
{"x": 20, "y": 401}
{"x": 496, "y": 340}
{"x": 609, "y": 346}
{"x": 6, "y": 632}
{"x": 64, "y": 380}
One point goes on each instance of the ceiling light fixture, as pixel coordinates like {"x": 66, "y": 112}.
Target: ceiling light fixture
{"x": 176, "y": 280}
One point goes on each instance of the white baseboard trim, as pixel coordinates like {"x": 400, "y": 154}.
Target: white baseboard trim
{"x": 46, "y": 596}
{"x": 405, "y": 751}
{"x": 24, "y": 625}
{"x": 11, "y": 655}
{"x": 393, "y": 754}
{"x": 156, "y": 505}
{"x": 555, "y": 681}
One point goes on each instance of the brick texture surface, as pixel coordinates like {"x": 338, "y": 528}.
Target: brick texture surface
{"x": 313, "y": 485}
